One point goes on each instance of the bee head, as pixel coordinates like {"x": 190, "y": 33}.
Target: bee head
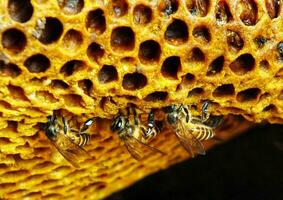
{"x": 172, "y": 114}
{"x": 50, "y": 129}
{"x": 170, "y": 108}
{"x": 118, "y": 123}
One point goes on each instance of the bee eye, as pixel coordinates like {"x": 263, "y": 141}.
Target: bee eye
{"x": 117, "y": 124}
{"x": 172, "y": 118}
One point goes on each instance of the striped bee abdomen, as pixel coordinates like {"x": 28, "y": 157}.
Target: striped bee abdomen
{"x": 202, "y": 132}
{"x": 81, "y": 139}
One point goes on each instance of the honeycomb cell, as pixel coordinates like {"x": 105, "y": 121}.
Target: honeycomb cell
{"x": 198, "y": 7}
{"x": 264, "y": 65}
{"x": 149, "y": 51}
{"x": 248, "y": 12}
{"x": 188, "y": 79}
{"x": 9, "y": 69}
{"x": 128, "y": 61}
{"x": 71, "y": 67}
{"x": 202, "y": 33}
{"x": 95, "y": 21}
{"x": 37, "y": 63}
{"x": 142, "y": 14}
{"x": 123, "y": 39}
{"x": 273, "y": 8}
{"x": 120, "y": 7}
{"x": 73, "y": 100}
{"x": 196, "y": 92}
{"x": 270, "y": 108}
{"x": 177, "y": 32}
{"x": 216, "y": 66}
{"x": 170, "y": 67}
{"x": 243, "y": 64}
{"x": 107, "y": 74}
{"x": 224, "y": 90}
{"x": 280, "y": 96}
{"x": 196, "y": 55}
{"x": 59, "y": 84}
{"x": 14, "y": 40}
{"x": 72, "y": 40}
{"x": 86, "y": 86}
{"x": 20, "y": 10}
{"x": 169, "y": 7}
{"x": 95, "y": 52}
{"x": 251, "y": 94}
{"x": 223, "y": 14}
{"x": 71, "y": 7}
{"x": 45, "y": 96}
{"x": 48, "y": 30}
{"x": 17, "y": 92}
{"x": 134, "y": 81}
{"x": 156, "y": 96}
{"x": 234, "y": 40}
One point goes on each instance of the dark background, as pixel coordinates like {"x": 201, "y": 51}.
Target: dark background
{"x": 247, "y": 167}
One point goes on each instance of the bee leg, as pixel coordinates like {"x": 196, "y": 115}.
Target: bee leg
{"x": 204, "y": 112}
{"x": 150, "y": 124}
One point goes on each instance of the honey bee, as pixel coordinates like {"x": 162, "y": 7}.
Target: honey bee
{"x": 190, "y": 130}
{"x": 67, "y": 141}
{"x": 131, "y": 134}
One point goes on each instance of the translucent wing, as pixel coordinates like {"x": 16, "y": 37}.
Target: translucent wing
{"x": 71, "y": 152}
{"x": 136, "y": 147}
{"x": 188, "y": 141}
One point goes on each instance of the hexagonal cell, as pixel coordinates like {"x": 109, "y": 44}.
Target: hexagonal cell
{"x": 223, "y": 14}
{"x": 202, "y": 33}
{"x": 86, "y": 85}
{"x": 177, "y": 32}
{"x": 71, "y": 7}
{"x": 248, "y": 12}
{"x": 59, "y": 84}
{"x": 20, "y": 10}
{"x": 196, "y": 55}
{"x": 216, "y": 66}
{"x": 95, "y": 52}
{"x": 120, "y": 7}
{"x": 14, "y": 40}
{"x": 169, "y": 7}
{"x": 198, "y": 7}
{"x": 9, "y": 69}
{"x": 142, "y": 14}
{"x": 17, "y": 92}
{"x": 72, "y": 40}
{"x": 134, "y": 81}
{"x": 224, "y": 90}
{"x": 71, "y": 67}
{"x": 149, "y": 51}
{"x": 243, "y": 64}
{"x": 234, "y": 40}
{"x": 107, "y": 74}
{"x": 95, "y": 21}
{"x": 264, "y": 65}
{"x": 48, "y": 30}
{"x": 37, "y": 63}
{"x": 251, "y": 94}
{"x": 270, "y": 108}
{"x": 156, "y": 96}
{"x": 196, "y": 92}
{"x": 170, "y": 67}
{"x": 188, "y": 79}
{"x": 123, "y": 39}
{"x": 73, "y": 100}
{"x": 273, "y": 8}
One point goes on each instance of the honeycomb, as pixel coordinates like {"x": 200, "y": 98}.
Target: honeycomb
{"x": 91, "y": 58}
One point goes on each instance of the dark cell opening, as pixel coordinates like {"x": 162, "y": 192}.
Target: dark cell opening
{"x": 95, "y": 52}
{"x": 248, "y": 95}
{"x": 188, "y": 79}
{"x": 107, "y": 74}
{"x": 195, "y": 92}
{"x": 123, "y": 38}
{"x": 202, "y": 33}
{"x": 95, "y": 21}
{"x": 249, "y": 11}
{"x": 196, "y": 55}
{"x": 120, "y": 7}
{"x": 59, "y": 84}
{"x": 86, "y": 85}
{"x": 216, "y": 66}
{"x": 149, "y": 51}
{"x": 134, "y": 81}
{"x": 14, "y": 40}
{"x": 177, "y": 32}
{"x": 264, "y": 65}
{"x": 72, "y": 40}
{"x": 243, "y": 64}
{"x": 51, "y": 31}
{"x": 234, "y": 40}
{"x": 17, "y": 92}
{"x": 20, "y": 10}
{"x": 156, "y": 96}
{"x": 198, "y": 7}
{"x": 224, "y": 90}
{"x": 37, "y": 63}
{"x": 273, "y": 8}
{"x": 142, "y": 14}
{"x": 71, "y": 67}
{"x": 223, "y": 14}
{"x": 169, "y": 7}
{"x": 170, "y": 67}
{"x": 270, "y": 108}
{"x": 9, "y": 69}
{"x": 71, "y": 7}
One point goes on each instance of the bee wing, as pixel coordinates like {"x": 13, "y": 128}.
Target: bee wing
{"x": 135, "y": 146}
{"x": 188, "y": 140}
{"x": 69, "y": 150}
